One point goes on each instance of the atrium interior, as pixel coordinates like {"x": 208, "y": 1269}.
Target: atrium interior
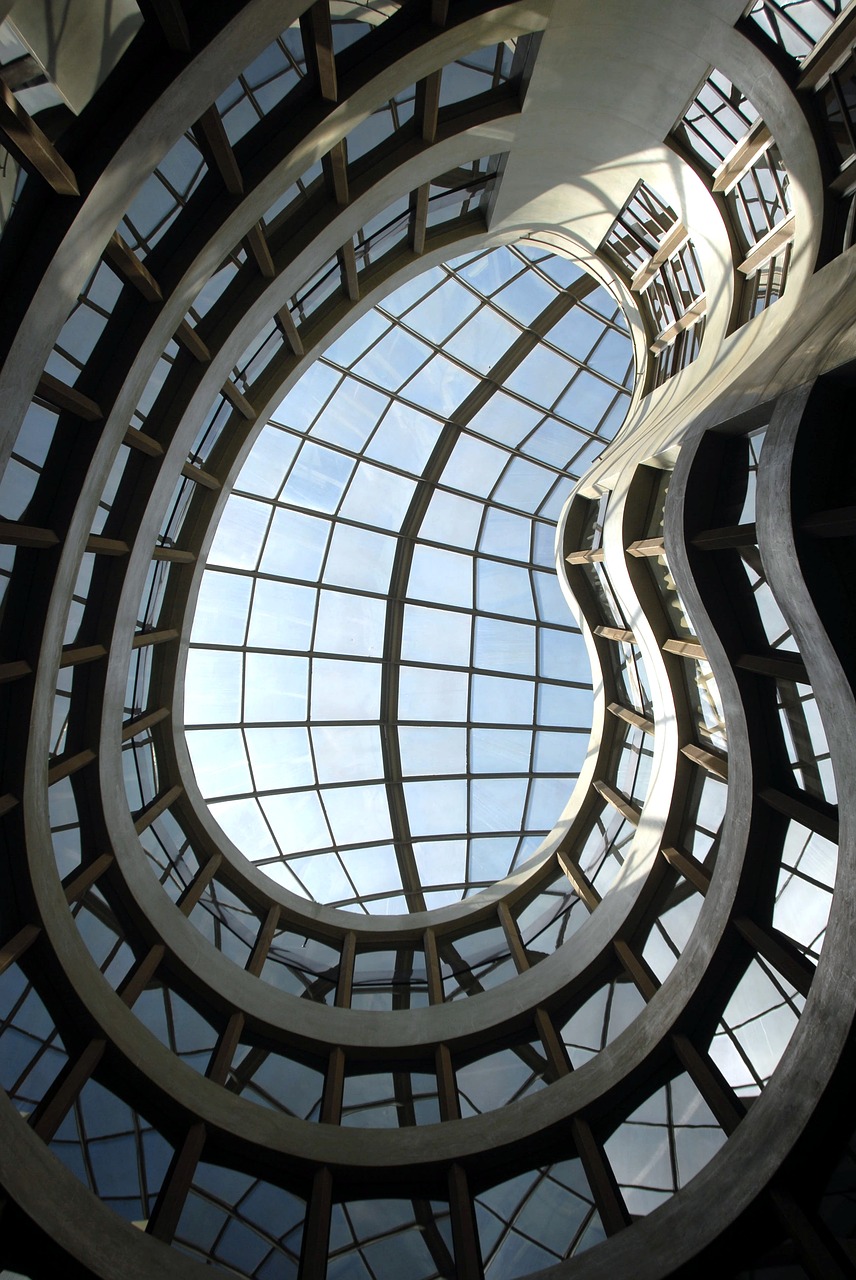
{"x": 426, "y": 639}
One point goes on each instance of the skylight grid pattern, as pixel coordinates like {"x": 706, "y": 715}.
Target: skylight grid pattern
{"x": 386, "y": 698}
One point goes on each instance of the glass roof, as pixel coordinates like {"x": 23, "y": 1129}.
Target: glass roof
{"x": 387, "y": 701}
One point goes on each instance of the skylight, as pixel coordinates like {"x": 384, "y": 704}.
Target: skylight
{"x": 387, "y": 701}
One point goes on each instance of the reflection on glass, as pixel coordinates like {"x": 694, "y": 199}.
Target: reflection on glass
{"x": 302, "y": 966}
{"x": 275, "y": 1080}
{"x": 496, "y": 1079}
{"x": 604, "y": 852}
{"x": 113, "y": 1151}
{"x": 588, "y": 1027}
{"x": 179, "y": 1026}
{"x": 756, "y": 1026}
{"x": 475, "y": 962}
{"x": 632, "y": 770}
{"x": 703, "y": 816}
{"x": 805, "y": 740}
{"x": 389, "y": 980}
{"x": 389, "y": 1099}
{"x": 389, "y": 1239}
{"x": 662, "y": 1145}
{"x": 804, "y": 887}
{"x": 550, "y": 919}
{"x": 32, "y": 1053}
{"x": 671, "y": 930}
{"x": 252, "y": 1227}
{"x": 536, "y": 1219}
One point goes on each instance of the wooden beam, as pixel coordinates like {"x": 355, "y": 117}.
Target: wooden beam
{"x": 125, "y": 263}
{"x": 106, "y": 546}
{"x": 288, "y": 329}
{"x": 53, "y": 1108}
{"x": 618, "y": 802}
{"x": 258, "y": 248}
{"x": 696, "y": 309}
{"x": 819, "y": 1251}
{"x": 64, "y": 766}
{"x": 465, "y": 1236}
{"x": 673, "y": 240}
{"x": 239, "y": 401}
{"x": 13, "y": 534}
{"x": 217, "y": 150}
{"x": 428, "y": 106}
{"x": 176, "y": 1184}
{"x": 583, "y": 886}
{"x": 512, "y": 937}
{"x": 747, "y": 151}
{"x": 618, "y": 634}
{"x": 649, "y": 547}
{"x": 56, "y": 394}
{"x": 710, "y": 1082}
{"x": 822, "y": 820}
{"x": 317, "y": 31}
{"x": 11, "y": 951}
{"x": 143, "y": 443}
{"x": 174, "y": 555}
{"x": 265, "y": 936}
{"x": 154, "y": 810}
{"x": 833, "y": 46}
{"x": 143, "y": 639}
{"x": 32, "y": 148}
{"x": 131, "y": 728}
{"x": 77, "y": 655}
{"x": 77, "y": 885}
{"x": 635, "y": 966}
{"x": 348, "y": 267}
{"x": 589, "y": 555}
{"x": 315, "y": 1243}
{"x": 19, "y": 72}
{"x": 838, "y": 523}
{"x": 794, "y": 966}
{"x": 709, "y": 760}
{"x": 601, "y": 1179}
{"x": 186, "y": 336}
{"x": 553, "y": 1047}
{"x": 769, "y": 245}
{"x": 200, "y": 477}
{"x": 690, "y": 868}
{"x": 735, "y": 535}
{"x": 447, "y": 1087}
{"x": 685, "y": 649}
{"x": 7, "y": 802}
{"x": 631, "y": 717}
{"x": 419, "y": 218}
{"x": 432, "y": 967}
{"x": 221, "y": 1059}
{"x": 200, "y": 882}
{"x": 334, "y": 1083}
{"x": 14, "y": 670}
{"x": 779, "y": 666}
{"x": 335, "y": 166}
{"x": 139, "y": 978}
{"x": 345, "y": 985}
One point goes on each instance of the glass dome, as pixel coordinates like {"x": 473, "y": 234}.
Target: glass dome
{"x": 387, "y": 700}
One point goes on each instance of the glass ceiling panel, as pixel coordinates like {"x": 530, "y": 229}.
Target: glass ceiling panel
{"x": 387, "y": 701}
